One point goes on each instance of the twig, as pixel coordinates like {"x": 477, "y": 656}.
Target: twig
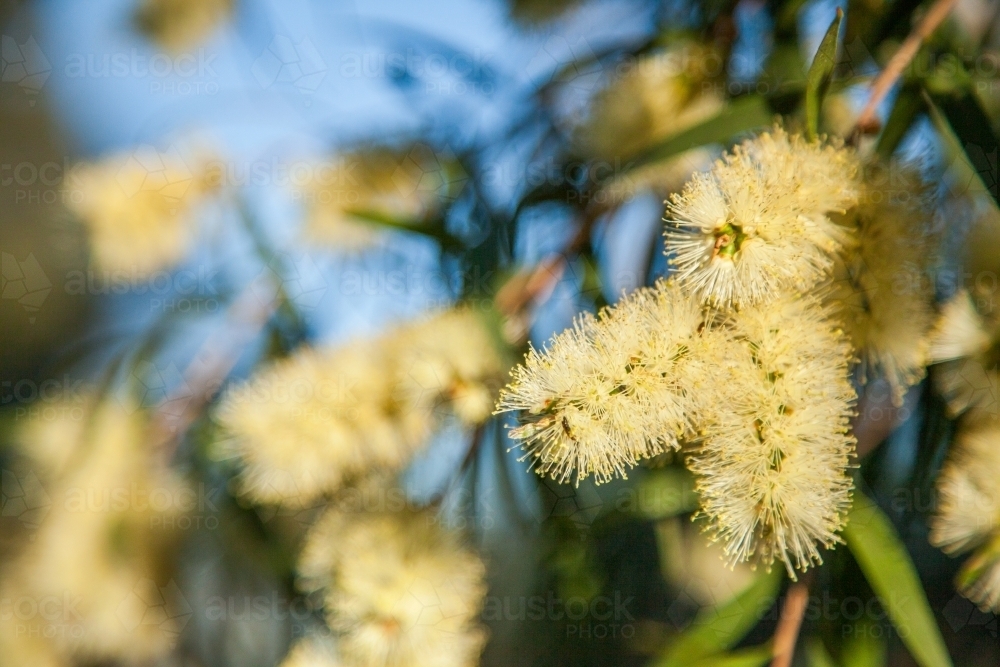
{"x": 787, "y": 633}
{"x": 536, "y": 284}
{"x": 894, "y": 69}
{"x": 218, "y": 354}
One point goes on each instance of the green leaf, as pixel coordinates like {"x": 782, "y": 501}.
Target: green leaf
{"x": 969, "y": 143}
{"x": 741, "y": 115}
{"x": 865, "y": 646}
{"x": 748, "y": 657}
{"x": 719, "y": 628}
{"x": 817, "y": 655}
{"x": 666, "y": 492}
{"x": 908, "y": 104}
{"x": 819, "y": 74}
{"x": 886, "y": 564}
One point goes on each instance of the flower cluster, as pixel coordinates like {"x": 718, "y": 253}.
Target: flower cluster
{"x": 965, "y": 346}
{"x": 312, "y": 421}
{"x": 968, "y": 513}
{"x": 102, "y": 541}
{"x": 758, "y": 224}
{"x": 350, "y": 201}
{"x": 759, "y": 400}
{"x": 180, "y": 24}
{"x": 660, "y": 95}
{"x": 400, "y": 589}
{"x": 731, "y": 361}
{"x": 139, "y": 209}
{"x": 880, "y": 288}
{"x": 775, "y": 445}
{"x": 612, "y": 390}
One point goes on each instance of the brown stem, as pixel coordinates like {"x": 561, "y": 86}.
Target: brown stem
{"x": 525, "y": 288}
{"x": 792, "y": 612}
{"x": 894, "y": 69}
{"x": 211, "y": 365}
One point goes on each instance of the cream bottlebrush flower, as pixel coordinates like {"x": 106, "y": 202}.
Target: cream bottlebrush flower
{"x": 963, "y": 343}
{"x": 660, "y": 96}
{"x": 16, "y": 646}
{"x": 881, "y": 290}
{"x": 758, "y": 223}
{"x": 610, "y": 391}
{"x": 103, "y": 543}
{"x": 347, "y": 200}
{"x": 319, "y": 418}
{"x": 771, "y": 464}
{"x": 312, "y": 652}
{"x": 182, "y": 24}
{"x": 401, "y": 589}
{"x": 968, "y": 511}
{"x": 139, "y": 209}
{"x": 450, "y": 362}
{"x": 311, "y": 421}
{"x": 959, "y": 331}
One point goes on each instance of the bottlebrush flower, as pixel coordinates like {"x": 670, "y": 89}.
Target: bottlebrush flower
{"x": 450, "y": 363}
{"x": 968, "y": 512}
{"x": 312, "y": 651}
{"x": 771, "y": 462}
{"x": 348, "y": 199}
{"x": 881, "y": 290}
{"x": 104, "y": 542}
{"x": 311, "y": 421}
{"x": 758, "y": 224}
{"x": 610, "y": 391}
{"x": 661, "y": 95}
{"x": 963, "y": 344}
{"x": 181, "y": 24}
{"x": 400, "y": 588}
{"x": 139, "y": 209}
{"x": 319, "y": 418}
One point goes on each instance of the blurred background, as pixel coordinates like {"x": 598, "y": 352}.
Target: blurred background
{"x": 193, "y": 189}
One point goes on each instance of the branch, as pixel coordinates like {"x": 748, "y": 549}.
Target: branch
{"x": 211, "y": 365}
{"x": 894, "y": 69}
{"x": 787, "y": 633}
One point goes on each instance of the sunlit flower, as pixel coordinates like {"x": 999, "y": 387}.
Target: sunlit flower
{"x": 450, "y": 362}
{"x": 968, "y": 511}
{"x": 959, "y": 330}
{"x": 103, "y": 543}
{"x": 182, "y": 24}
{"x": 319, "y": 418}
{"x": 139, "y": 209}
{"x": 313, "y": 420}
{"x": 758, "y": 223}
{"x": 659, "y": 96}
{"x": 881, "y": 290}
{"x": 963, "y": 345}
{"x": 312, "y": 652}
{"x": 352, "y": 200}
{"x": 20, "y": 648}
{"x": 611, "y": 390}
{"x": 400, "y": 589}
{"x": 771, "y": 463}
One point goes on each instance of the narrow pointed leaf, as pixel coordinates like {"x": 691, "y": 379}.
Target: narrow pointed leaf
{"x": 819, "y": 74}
{"x": 741, "y": 115}
{"x": 886, "y": 564}
{"x": 719, "y": 628}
